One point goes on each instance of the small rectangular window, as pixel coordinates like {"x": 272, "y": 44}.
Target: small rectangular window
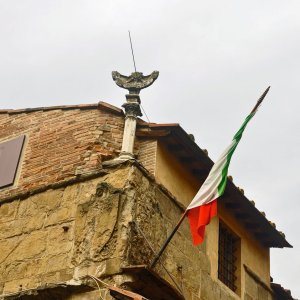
{"x": 229, "y": 245}
{"x": 10, "y": 153}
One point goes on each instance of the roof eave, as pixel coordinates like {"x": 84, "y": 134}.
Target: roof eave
{"x": 234, "y": 200}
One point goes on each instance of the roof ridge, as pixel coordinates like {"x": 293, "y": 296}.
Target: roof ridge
{"x": 100, "y": 104}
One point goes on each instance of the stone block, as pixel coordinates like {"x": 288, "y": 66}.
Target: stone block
{"x": 227, "y": 294}
{"x": 14, "y": 286}
{"x": 262, "y": 293}
{"x": 49, "y": 200}
{"x": 30, "y": 246}
{"x": 14, "y": 270}
{"x": 109, "y": 267}
{"x": 11, "y": 229}
{"x": 61, "y": 215}
{"x": 7, "y": 247}
{"x": 70, "y": 194}
{"x": 33, "y": 223}
{"x": 1, "y": 287}
{"x": 119, "y": 179}
{"x": 251, "y": 287}
{"x": 65, "y": 274}
{"x": 95, "y": 225}
{"x": 60, "y": 239}
{"x": 57, "y": 262}
{"x": 8, "y": 211}
{"x": 27, "y": 209}
{"x": 248, "y": 297}
{"x": 93, "y": 295}
{"x": 49, "y": 278}
{"x": 195, "y": 297}
{"x": 209, "y": 290}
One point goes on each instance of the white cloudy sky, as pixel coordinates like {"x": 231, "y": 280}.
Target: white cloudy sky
{"x": 215, "y": 59}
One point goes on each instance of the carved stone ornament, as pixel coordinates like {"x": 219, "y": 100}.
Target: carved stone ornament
{"x": 132, "y": 110}
{"x": 135, "y": 82}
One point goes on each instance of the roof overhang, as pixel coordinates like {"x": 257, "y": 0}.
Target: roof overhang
{"x": 199, "y": 164}
{"x": 281, "y": 293}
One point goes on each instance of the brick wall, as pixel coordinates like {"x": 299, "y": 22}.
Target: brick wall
{"x": 60, "y": 143}
{"x": 147, "y": 154}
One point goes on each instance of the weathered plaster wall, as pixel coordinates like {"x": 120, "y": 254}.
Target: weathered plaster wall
{"x": 255, "y": 288}
{"x": 184, "y": 186}
{"x": 174, "y": 176}
{"x": 252, "y": 253}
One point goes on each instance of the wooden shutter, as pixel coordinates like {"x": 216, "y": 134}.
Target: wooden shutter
{"x": 10, "y": 153}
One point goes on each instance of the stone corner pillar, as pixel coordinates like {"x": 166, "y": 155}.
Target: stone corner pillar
{"x": 133, "y": 83}
{"x": 132, "y": 111}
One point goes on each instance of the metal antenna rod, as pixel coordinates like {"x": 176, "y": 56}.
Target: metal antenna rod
{"x": 132, "y": 51}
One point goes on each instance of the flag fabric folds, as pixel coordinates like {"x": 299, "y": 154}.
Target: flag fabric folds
{"x": 204, "y": 205}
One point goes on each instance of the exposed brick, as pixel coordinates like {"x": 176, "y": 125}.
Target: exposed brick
{"x": 60, "y": 141}
{"x": 147, "y": 154}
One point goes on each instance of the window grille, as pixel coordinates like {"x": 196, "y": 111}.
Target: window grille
{"x": 227, "y": 263}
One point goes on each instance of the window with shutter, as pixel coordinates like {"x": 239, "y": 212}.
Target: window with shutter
{"x": 10, "y": 153}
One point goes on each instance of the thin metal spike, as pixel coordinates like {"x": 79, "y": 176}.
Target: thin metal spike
{"x": 132, "y": 50}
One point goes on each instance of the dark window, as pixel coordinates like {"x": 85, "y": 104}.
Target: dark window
{"x": 10, "y": 152}
{"x": 228, "y": 257}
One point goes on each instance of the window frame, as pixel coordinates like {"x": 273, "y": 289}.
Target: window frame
{"x": 233, "y": 269}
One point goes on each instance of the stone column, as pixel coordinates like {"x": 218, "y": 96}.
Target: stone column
{"x": 132, "y": 111}
{"x": 134, "y": 84}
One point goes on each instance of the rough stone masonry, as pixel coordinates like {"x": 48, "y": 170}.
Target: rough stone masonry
{"x": 93, "y": 227}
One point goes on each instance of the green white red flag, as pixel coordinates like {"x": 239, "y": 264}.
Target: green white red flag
{"x": 204, "y": 205}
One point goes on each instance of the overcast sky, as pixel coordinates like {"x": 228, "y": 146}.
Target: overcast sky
{"x": 215, "y": 59}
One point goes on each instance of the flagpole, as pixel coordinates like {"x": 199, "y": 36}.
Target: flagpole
{"x": 164, "y": 246}
{"x": 157, "y": 256}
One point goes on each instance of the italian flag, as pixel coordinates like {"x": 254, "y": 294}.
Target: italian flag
{"x": 204, "y": 205}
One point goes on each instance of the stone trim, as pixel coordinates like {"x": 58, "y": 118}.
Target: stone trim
{"x": 51, "y": 290}
{"x": 56, "y": 185}
{"x": 257, "y": 279}
{"x": 146, "y": 173}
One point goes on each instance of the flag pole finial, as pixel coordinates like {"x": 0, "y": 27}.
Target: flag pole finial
{"x": 260, "y": 100}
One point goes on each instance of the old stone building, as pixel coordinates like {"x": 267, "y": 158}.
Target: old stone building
{"x": 83, "y": 212}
